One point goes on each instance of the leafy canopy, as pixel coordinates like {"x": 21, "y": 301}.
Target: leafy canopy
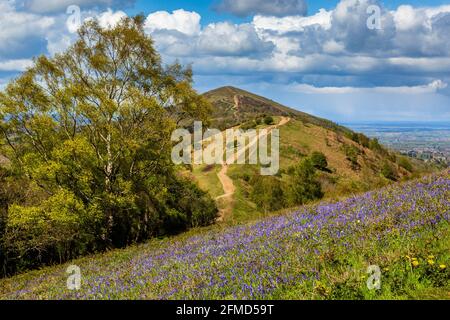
{"x": 92, "y": 125}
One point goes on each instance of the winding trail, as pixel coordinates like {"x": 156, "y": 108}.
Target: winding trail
{"x": 227, "y": 183}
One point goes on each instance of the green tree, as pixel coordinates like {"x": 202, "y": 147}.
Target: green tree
{"x": 319, "y": 160}
{"x": 93, "y": 125}
{"x": 304, "y": 185}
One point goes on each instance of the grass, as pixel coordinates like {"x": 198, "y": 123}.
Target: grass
{"x": 206, "y": 177}
{"x": 318, "y": 252}
{"x": 244, "y": 209}
{"x": 298, "y": 140}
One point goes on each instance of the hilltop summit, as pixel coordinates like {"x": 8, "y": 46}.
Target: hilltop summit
{"x": 234, "y": 106}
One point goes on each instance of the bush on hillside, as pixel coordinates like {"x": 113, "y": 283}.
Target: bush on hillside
{"x": 352, "y": 153}
{"x": 388, "y": 171}
{"x": 267, "y": 193}
{"x": 363, "y": 140}
{"x": 405, "y": 164}
{"x": 268, "y": 120}
{"x": 304, "y": 186}
{"x": 319, "y": 160}
{"x": 375, "y": 146}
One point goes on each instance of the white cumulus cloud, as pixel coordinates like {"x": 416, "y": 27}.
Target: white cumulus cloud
{"x": 179, "y": 20}
{"x": 110, "y": 19}
{"x": 15, "y": 65}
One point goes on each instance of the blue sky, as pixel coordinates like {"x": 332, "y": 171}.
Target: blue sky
{"x": 317, "y": 56}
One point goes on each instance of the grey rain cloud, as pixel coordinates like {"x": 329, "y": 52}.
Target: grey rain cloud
{"x": 60, "y": 6}
{"x": 278, "y": 8}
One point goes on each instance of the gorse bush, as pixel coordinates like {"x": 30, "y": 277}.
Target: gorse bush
{"x": 90, "y": 129}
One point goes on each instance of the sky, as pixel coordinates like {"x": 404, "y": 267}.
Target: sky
{"x": 345, "y": 60}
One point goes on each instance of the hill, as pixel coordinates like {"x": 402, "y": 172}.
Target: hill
{"x": 317, "y": 252}
{"x": 233, "y": 106}
{"x": 355, "y": 163}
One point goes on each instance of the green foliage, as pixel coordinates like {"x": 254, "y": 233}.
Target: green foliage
{"x": 375, "y": 146}
{"x": 249, "y": 125}
{"x": 352, "y": 153}
{"x": 363, "y": 140}
{"x": 61, "y": 225}
{"x": 197, "y": 205}
{"x": 267, "y": 193}
{"x": 359, "y": 138}
{"x": 405, "y": 164}
{"x": 304, "y": 186}
{"x": 268, "y": 120}
{"x": 91, "y": 129}
{"x": 319, "y": 160}
{"x": 388, "y": 171}
{"x": 352, "y": 136}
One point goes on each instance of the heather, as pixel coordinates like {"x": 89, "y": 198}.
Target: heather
{"x": 320, "y": 251}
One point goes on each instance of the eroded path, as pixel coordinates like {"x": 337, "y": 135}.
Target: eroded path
{"x": 227, "y": 199}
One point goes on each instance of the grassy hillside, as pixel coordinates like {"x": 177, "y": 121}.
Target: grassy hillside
{"x": 233, "y": 106}
{"x": 355, "y": 162}
{"x": 317, "y": 252}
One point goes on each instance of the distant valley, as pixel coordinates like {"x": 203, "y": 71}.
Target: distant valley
{"x": 429, "y": 141}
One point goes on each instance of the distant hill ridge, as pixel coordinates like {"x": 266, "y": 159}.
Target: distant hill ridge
{"x": 233, "y": 106}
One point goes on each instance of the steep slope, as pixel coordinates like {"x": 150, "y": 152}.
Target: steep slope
{"x": 355, "y": 162}
{"x": 317, "y": 252}
{"x": 234, "y": 106}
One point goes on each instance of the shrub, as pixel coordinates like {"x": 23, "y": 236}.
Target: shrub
{"x": 319, "y": 160}
{"x": 405, "y": 164}
{"x": 267, "y": 193}
{"x": 388, "y": 171}
{"x": 352, "y": 152}
{"x": 304, "y": 186}
{"x": 58, "y": 229}
{"x": 268, "y": 120}
{"x": 363, "y": 140}
{"x": 375, "y": 146}
{"x": 198, "y": 206}
{"x": 249, "y": 125}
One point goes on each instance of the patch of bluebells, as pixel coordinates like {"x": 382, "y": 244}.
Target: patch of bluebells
{"x": 252, "y": 261}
